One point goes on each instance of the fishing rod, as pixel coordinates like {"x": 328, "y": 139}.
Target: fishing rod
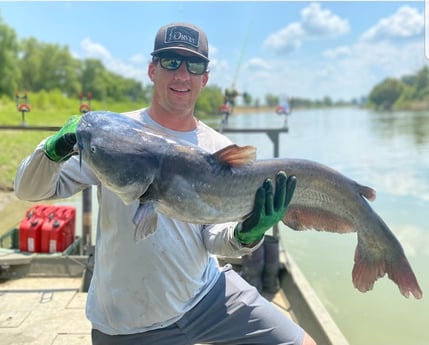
{"x": 240, "y": 59}
{"x": 227, "y": 107}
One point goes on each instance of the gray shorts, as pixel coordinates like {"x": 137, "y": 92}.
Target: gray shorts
{"x": 232, "y": 313}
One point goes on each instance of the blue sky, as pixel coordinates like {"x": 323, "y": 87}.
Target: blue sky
{"x": 306, "y": 49}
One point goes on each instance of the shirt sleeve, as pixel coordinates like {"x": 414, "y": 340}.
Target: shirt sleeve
{"x": 219, "y": 239}
{"x": 38, "y": 178}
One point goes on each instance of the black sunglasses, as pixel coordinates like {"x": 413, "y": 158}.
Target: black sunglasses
{"x": 172, "y": 62}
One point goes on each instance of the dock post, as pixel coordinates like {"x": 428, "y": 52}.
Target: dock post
{"x": 86, "y": 218}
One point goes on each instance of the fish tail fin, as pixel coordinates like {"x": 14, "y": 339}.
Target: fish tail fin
{"x": 366, "y": 271}
{"x": 145, "y": 220}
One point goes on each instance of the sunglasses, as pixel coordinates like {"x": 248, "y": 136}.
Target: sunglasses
{"x": 173, "y": 62}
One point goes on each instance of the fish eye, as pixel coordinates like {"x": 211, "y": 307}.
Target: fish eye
{"x": 93, "y": 149}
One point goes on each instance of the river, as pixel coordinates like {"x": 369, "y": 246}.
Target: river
{"x": 390, "y": 153}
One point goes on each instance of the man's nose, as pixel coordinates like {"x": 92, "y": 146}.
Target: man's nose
{"x": 182, "y": 71}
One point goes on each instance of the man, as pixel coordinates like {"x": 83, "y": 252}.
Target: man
{"x": 168, "y": 289}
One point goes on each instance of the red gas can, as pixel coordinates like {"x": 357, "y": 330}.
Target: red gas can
{"x": 23, "y": 228}
{"x": 30, "y": 227}
{"x": 58, "y": 232}
{"x": 29, "y": 234}
{"x": 47, "y": 228}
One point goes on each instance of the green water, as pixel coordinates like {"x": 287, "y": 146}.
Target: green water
{"x": 389, "y": 152}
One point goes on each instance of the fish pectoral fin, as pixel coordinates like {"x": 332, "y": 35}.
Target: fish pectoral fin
{"x": 236, "y": 155}
{"x": 145, "y": 220}
{"x": 305, "y": 217}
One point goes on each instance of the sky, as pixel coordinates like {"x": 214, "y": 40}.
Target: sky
{"x": 340, "y": 49}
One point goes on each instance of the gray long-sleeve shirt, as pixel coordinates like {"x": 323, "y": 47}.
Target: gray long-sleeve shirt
{"x": 137, "y": 286}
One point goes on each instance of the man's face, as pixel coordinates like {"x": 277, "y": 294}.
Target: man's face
{"x": 176, "y": 90}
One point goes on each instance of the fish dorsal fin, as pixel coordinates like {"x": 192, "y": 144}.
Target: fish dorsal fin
{"x": 236, "y": 155}
{"x": 367, "y": 192}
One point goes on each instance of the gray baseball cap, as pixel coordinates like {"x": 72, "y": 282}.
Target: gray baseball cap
{"x": 181, "y": 36}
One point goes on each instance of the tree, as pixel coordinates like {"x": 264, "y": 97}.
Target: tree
{"x": 271, "y": 100}
{"x": 247, "y": 98}
{"x": 384, "y": 95}
{"x": 209, "y": 101}
{"x": 9, "y": 70}
{"x": 327, "y": 101}
{"x": 94, "y": 78}
{"x": 422, "y": 83}
{"x": 48, "y": 67}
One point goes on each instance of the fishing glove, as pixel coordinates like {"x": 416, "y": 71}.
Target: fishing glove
{"x": 269, "y": 209}
{"x": 59, "y": 147}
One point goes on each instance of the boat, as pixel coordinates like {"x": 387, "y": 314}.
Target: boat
{"x": 43, "y": 296}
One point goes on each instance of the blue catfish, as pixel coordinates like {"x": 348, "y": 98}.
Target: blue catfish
{"x": 184, "y": 182}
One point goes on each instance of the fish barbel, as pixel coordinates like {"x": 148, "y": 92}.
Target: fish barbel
{"x": 187, "y": 183}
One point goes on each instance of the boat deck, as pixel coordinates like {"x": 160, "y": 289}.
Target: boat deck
{"x": 50, "y": 310}
{"x": 43, "y": 311}
{"x": 54, "y": 312}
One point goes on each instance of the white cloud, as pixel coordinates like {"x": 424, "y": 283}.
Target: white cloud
{"x": 286, "y": 40}
{"x": 213, "y": 51}
{"x": 349, "y": 72}
{"x": 134, "y": 68}
{"x": 337, "y": 52}
{"x": 318, "y": 22}
{"x": 315, "y": 23}
{"x": 138, "y": 59}
{"x": 341, "y": 72}
{"x": 94, "y": 50}
{"x": 256, "y": 64}
{"x": 407, "y": 22}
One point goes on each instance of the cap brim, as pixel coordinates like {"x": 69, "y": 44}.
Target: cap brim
{"x": 155, "y": 52}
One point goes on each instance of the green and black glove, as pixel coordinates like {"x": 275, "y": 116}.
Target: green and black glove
{"x": 59, "y": 147}
{"x": 269, "y": 209}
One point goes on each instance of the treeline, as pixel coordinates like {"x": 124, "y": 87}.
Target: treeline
{"x": 411, "y": 92}
{"x": 35, "y": 66}
{"x": 44, "y": 70}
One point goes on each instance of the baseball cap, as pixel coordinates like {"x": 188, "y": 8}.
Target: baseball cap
{"x": 181, "y": 36}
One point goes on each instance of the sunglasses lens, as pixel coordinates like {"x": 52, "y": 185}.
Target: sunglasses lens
{"x": 197, "y": 67}
{"x": 170, "y": 63}
{"x": 174, "y": 62}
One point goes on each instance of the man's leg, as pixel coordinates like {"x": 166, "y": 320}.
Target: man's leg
{"x": 233, "y": 312}
{"x": 164, "y": 336}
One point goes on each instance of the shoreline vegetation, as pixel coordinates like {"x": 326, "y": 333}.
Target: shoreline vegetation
{"x": 17, "y": 144}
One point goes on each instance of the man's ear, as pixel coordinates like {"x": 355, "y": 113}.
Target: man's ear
{"x": 205, "y": 80}
{"x": 151, "y": 70}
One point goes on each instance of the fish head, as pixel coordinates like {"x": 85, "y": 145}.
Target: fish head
{"x": 111, "y": 144}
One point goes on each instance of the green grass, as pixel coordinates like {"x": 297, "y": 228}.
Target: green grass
{"x": 18, "y": 144}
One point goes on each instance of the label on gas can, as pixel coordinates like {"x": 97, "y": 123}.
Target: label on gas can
{"x": 52, "y": 246}
{"x": 30, "y": 243}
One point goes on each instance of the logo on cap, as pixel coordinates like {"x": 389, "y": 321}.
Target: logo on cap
{"x": 182, "y": 34}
